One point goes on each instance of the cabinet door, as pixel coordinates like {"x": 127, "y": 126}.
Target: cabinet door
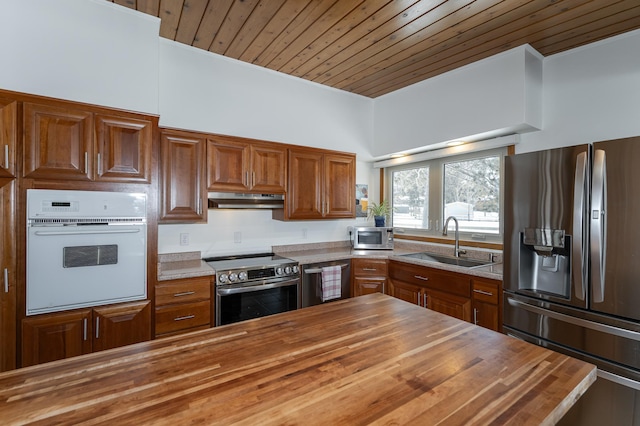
{"x": 124, "y": 149}
{"x": 122, "y": 324}
{"x": 268, "y": 169}
{"x": 8, "y": 137}
{"x": 407, "y": 292}
{"x": 454, "y": 306}
{"x": 7, "y": 276}
{"x": 182, "y": 192}
{"x": 368, "y": 285}
{"x": 228, "y": 165}
{"x": 304, "y": 196}
{"x": 486, "y": 315}
{"x": 339, "y": 186}
{"x": 57, "y": 142}
{"x": 56, "y": 336}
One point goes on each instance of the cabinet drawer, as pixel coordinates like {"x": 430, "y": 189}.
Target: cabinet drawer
{"x": 182, "y": 316}
{"x": 437, "y": 279}
{"x": 371, "y": 267}
{"x": 183, "y": 290}
{"x": 486, "y": 291}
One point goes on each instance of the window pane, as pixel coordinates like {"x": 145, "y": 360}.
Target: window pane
{"x": 472, "y": 194}
{"x": 411, "y": 198}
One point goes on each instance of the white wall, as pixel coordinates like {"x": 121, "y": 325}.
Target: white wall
{"x": 82, "y": 50}
{"x": 492, "y": 97}
{"x": 210, "y": 93}
{"x": 591, "y": 93}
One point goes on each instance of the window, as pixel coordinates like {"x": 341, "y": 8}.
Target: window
{"x": 467, "y": 187}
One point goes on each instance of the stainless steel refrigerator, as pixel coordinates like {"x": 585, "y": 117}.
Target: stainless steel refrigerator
{"x": 572, "y": 266}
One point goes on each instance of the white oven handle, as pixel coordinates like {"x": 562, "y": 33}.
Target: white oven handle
{"x": 229, "y": 291}
{"x": 87, "y": 232}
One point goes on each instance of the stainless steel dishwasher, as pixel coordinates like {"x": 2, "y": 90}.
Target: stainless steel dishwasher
{"x": 312, "y": 282}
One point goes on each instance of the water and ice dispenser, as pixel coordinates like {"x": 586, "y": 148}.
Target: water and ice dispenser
{"x": 545, "y": 262}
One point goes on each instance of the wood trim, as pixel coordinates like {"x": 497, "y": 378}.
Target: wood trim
{"x": 511, "y": 150}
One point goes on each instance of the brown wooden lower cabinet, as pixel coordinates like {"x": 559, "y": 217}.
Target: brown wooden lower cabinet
{"x": 183, "y": 305}
{"x": 50, "y": 337}
{"x": 458, "y": 295}
{"x": 487, "y": 303}
{"x": 368, "y": 276}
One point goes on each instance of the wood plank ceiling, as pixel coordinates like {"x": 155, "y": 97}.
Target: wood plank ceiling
{"x": 373, "y": 47}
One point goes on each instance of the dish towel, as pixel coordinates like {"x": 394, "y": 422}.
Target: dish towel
{"x": 331, "y": 282}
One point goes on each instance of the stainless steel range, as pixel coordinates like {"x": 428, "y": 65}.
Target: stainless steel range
{"x": 254, "y": 285}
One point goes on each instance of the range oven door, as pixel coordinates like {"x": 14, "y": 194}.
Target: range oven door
{"x": 79, "y": 266}
{"x": 235, "y": 303}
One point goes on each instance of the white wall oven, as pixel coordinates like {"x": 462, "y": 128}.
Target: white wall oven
{"x": 84, "y": 248}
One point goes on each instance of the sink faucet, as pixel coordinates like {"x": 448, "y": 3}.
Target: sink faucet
{"x": 457, "y": 250}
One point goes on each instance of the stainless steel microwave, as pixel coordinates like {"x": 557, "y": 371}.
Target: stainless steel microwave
{"x": 370, "y": 238}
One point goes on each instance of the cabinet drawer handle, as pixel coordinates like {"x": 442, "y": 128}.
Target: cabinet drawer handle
{"x": 186, "y": 317}
{"x": 99, "y": 165}
{"x": 97, "y": 327}
{"x": 253, "y": 179}
{"x": 486, "y": 293}
{"x": 475, "y": 316}
{"x": 84, "y": 327}
{"x": 6, "y": 157}
{"x": 184, "y": 293}
{"x": 6, "y": 280}
{"x": 86, "y": 161}
{"x": 421, "y": 277}
{"x": 369, "y": 269}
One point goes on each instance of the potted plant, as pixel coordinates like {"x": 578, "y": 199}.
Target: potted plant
{"x": 379, "y": 212}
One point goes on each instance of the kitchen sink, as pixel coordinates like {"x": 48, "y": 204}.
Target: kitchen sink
{"x": 432, "y": 257}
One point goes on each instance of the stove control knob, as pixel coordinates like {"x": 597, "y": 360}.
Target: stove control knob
{"x": 295, "y": 269}
{"x": 243, "y": 276}
{"x": 287, "y": 270}
{"x": 233, "y": 277}
{"x": 279, "y": 270}
{"x": 223, "y": 278}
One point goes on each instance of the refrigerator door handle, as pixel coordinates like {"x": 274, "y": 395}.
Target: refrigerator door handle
{"x": 578, "y": 249}
{"x": 596, "y": 326}
{"x": 598, "y": 225}
{"x": 624, "y": 381}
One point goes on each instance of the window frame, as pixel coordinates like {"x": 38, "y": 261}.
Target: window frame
{"x": 436, "y": 195}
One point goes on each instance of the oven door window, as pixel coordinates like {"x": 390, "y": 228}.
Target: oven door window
{"x": 370, "y": 237}
{"x": 254, "y": 304}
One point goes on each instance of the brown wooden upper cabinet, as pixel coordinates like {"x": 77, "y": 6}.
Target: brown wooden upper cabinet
{"x": 182, "y": 172}
{"x": 8, "y": 137}
{"x": 60, "y": 142}
{"x": 321, "y": 185}
{"x": 239, "y": 166}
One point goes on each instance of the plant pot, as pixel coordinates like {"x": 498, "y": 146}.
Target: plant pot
{"x": 379, "y": 221}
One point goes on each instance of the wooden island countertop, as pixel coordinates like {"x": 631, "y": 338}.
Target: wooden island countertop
{"x": 370, "y": 359}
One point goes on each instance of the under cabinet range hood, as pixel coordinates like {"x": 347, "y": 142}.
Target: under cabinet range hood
{"x": 231, "y": 200}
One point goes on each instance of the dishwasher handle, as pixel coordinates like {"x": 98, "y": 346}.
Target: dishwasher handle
{"x": 319, "y": 270}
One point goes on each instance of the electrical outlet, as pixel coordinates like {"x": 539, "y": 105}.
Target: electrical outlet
{"x": 237, "y": 237}
{"x": 184, "y": 239}
{"x": 304, "y": 233}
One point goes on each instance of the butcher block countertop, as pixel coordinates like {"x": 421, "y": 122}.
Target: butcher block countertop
{"x": 367, "y": 360}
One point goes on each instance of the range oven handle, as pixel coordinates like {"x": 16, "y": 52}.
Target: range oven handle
{"x": 248, "y": 289}
{"x": 87, "y": 232}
